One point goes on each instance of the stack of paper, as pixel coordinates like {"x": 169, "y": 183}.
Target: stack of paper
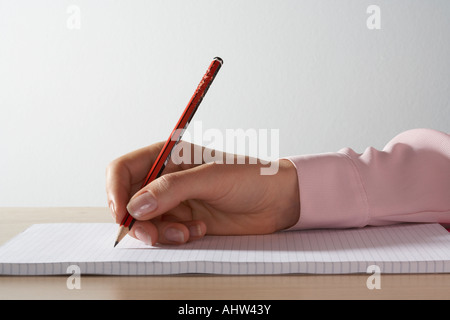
{"x": 49, "y": 249}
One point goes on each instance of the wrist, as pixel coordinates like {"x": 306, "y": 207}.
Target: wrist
{"x": 289, "y": 194}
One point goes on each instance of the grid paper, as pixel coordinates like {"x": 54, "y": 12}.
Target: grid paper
{"x": 49, "y": 249}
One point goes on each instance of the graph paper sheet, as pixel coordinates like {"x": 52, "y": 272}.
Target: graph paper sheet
{"x": 49, "y": 249}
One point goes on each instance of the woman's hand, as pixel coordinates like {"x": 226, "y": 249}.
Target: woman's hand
{"x": 190, "y": 200}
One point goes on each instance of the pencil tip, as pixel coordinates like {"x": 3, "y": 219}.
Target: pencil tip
{"x": 121, "y": 234}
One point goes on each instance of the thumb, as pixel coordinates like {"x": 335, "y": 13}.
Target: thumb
{"x": 169, "y": 190}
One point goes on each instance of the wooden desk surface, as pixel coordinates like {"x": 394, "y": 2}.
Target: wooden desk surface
{"x": 285, "y": 287}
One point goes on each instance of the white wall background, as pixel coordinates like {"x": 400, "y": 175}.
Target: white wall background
{"x": 73, "y": 100}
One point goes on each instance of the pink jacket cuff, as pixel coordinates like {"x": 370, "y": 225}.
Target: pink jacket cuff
{"x": 408, "y": 181}
{"x": 332, "y": 195}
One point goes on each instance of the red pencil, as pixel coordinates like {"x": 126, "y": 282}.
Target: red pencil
{"x": 164, "y": 155}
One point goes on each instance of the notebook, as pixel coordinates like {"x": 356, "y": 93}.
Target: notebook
{"x": 51, "y": 249}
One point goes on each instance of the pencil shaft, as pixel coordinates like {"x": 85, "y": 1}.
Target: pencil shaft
{"x": 183, "y": 122}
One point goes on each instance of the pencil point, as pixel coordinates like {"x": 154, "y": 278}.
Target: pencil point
{"x": 121, "y": 234}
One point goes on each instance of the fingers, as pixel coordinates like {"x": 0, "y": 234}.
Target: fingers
{"x": 174, "y": 227}
{"x": 167, "y": 232}
{"x": 181, "y": 181}
{"x": 118, "y": 189}
{"x": 124, "y": 177}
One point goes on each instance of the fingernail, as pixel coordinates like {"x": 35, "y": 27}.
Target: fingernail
{"x": 143, "y": 236}
{"x": 141, "y": 205}
{"x": 112, "y": 209}
{"x": 174, "y": 235}
{"x": 195, "y": 231}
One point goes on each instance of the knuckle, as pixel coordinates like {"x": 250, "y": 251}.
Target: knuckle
{"x": 110, "y": 167}
{"x": 167, "y": 181}
{"x": 116, "y": 165}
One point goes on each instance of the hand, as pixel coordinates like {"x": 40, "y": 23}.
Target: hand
{"x": 190, "y": 200}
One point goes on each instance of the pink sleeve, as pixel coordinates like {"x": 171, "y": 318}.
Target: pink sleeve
{"x": 408, "y": 181}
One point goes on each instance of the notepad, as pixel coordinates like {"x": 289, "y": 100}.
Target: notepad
{"x": 50, "y": 249}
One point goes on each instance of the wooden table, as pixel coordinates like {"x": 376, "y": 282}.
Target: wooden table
{"x": 15, "y": 220}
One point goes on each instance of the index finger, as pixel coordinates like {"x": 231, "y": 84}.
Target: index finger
{"x": 125, "y": 175}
